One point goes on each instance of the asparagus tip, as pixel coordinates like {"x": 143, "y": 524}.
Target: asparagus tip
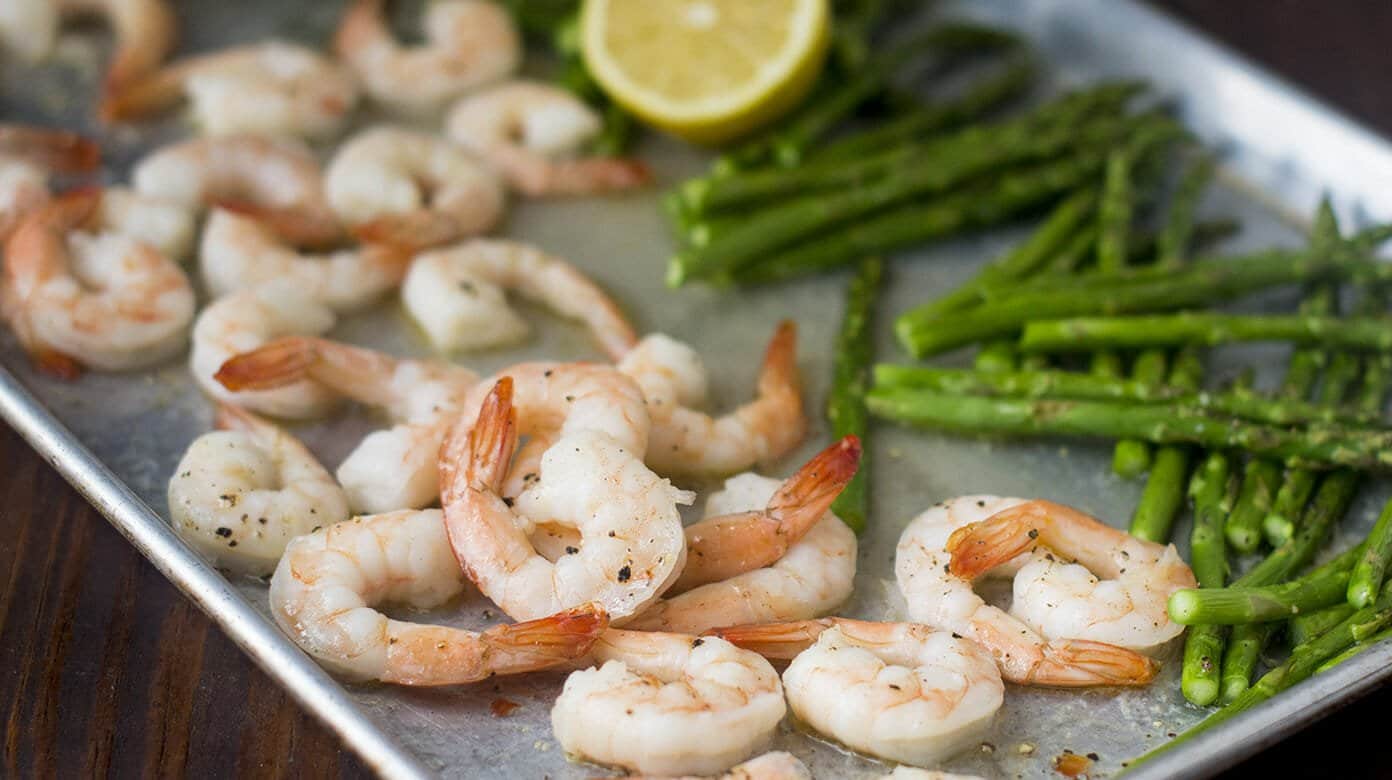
{"x": 676, "y": 271}
{"x": 1360, "y": 594}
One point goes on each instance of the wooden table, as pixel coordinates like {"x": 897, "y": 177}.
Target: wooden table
{"x": 106, "y": 669}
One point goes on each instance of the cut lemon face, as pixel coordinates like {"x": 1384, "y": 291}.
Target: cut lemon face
{"x": 706, "y": 70}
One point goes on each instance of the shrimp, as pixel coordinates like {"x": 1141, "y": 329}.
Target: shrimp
{"x": 456, "y": 295}
{"x": 467, "y": 44}
{"x": 389, "y": 469}
{"x": 939, "y": 598}
{"x": 239, "y": 495}
{"x": 668, "y": 704}
{"x": 902, "y": 772}
{"x": 326, "y": 585}
{"x": 28, "y": 155}
{"x": 247, "y": 319}
{"x": 277, "y": 181}
{"x": 269, "y": 88}
{"x": 103, "y": 300}
{"x": 238, "y": 252}
{"x": 900, "y": 691}
{"x": 144, "y": 31}
{"x": 687, "y": 441}
{"x": 29, "y": 28}
{"x": 814, "y": 577}
{"x": 776, "y": 765}
{"x": 523, "y": 128}
{"x": 1116, "y": 592}
{"x": 411, "y": 189}
{"x": 163, "y": 224}
{"x": 630, "y": 547}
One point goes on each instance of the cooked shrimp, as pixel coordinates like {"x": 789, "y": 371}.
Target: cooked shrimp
{"x": 411, "y": 189}
{"x": 270, "y": 88}
{"x": 631, "y": 545}
{"x": 467, "y": 44}
{"x": 525, "y": 128}
{"x": 238, "y": 252}
{"x": 668, "y": 704}
{"x": 390, "y": 469}
{"x": 144, "y": 31}
{"x": 939, "y": 598}
{"x": 324, "y": 590}
{"x": 687, "y": 441}
{"x": 278, "y": 181}
{"x": 239, "y": 495}
{"x": 248, "y": 319}
{"x": 28, "y": 155}
{"x": 163, "y": 224}
{"x": 776, "y": 765}
{"x": 456, "y": 295}
{"x": 103, "y": 300}
{"x": 814, "y": 577}
{"x": 902, "y": 772}
{"x": 29, "y": 28}
{"x": 1116, "y": 592}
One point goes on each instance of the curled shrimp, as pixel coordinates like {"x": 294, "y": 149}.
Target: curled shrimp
{"x": 814, "y": 576}
{"x": 390, "y": 469}
{"x": 327, "y": 583}
{"x": 270, "y": 88}
{"x": 630, "y": 545}
{"x": 1116, "y": 592}
{"x": 144, "y": 31}
{"x": 942, "y": 599}
{"x": 247, "y": 319}
{"x": 278, "y": 181}
{"x": 901, "y": 691}
{"x": 668, "y": 704}
{"x": 456, "y": 295}
{"x": 525, "y": 128}
{"x": 238, "y": 252}
{"x": 28, "y": 156}
{"x": 29, "y": 28}
{"x": 411, "y": 190}
{"x": 240, "y": 494}
{"x": 102, "y": 300}
{"x": 687, "y": 441}
{"x": 164, "y": 225}
{"x": 467, "y": 44}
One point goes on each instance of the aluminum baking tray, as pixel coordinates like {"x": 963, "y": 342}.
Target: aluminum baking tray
{"x": 116, "y": 438}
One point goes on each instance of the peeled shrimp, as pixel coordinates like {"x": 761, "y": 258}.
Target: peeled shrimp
{"x": 467, "y": 44}
{"x": 103, "y": 300}
{"x": 776, "y": 765}
{"x": 390, "y": 469}
{"x": 324, "y": 590}
{"x": 902, "y": 772}
{"x": 942, "y": 599}
{"x": 270, "y": 88}
{"x": 526, "y": 128}
{"x": 238, "y": 252}
{"x": 412, "y": 189}
{"x": 687, "y": 441}
{"x": 29, "y": 28}
{"x": 814, "y": 577}
{"x": 668, "y": 704}
{"x": 247, "y": 319}
{"x": 144, "y": 31}
{"x": 163, "y": 224}
{"x": 630, "y": 538}
{"x": 239, "y": 495}
{"x": 28, "y": 155}
{"x": 278, "y": 181}
{"x": 900, "y": 691}
{"x": 456, "y": 296}
{"x": 1116, "y": 592}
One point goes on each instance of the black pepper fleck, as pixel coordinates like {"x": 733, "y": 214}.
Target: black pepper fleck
{"x": 223, "y": 532}
{"x": 625, "y": 573}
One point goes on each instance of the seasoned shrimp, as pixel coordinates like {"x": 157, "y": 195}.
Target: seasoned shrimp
{"x": 28, "y": 155}
{"x": 526, "y": 128}
{"x": 467, "y": 44}
{"x": 239, "y": 495}
{"x": 237, "y": 252}
{"x": 324, "y": 590}
{"x": 687, "y": 441}
{"x": 144, "y": 31}
{"x": 411, "y": 189}
{"x": 248, "y": 319}
{"x": 270, "y": 88}
{"x": 278, "y": 181}
{"x": 456, "y": 295}
{"x": 103, "y": 300}
{"x": 163, "y": 224}
{"x": 390, "y": 469}
{"x": 630, "y": 539}
{"x": 668, "y": 704}
{"x": 942, "y": 599}
{"x": 900, "y": 691}
{"x": 1116, "y": 592}
{"x": 814, "y": 577}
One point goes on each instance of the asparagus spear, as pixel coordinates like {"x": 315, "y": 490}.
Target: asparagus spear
{"x": 1306, "y": 627}
{"x": 846, "y": 411}
{"x": 1356, "y": 649}
{"x": 1231, "y": 606}
{"x": 1084, "y": 334}
{"x": 1371, "y": 569}
{"x": 1164, "y": 490}
{"x": 1114, "y": 231}
{"x": 1203, "y": 647}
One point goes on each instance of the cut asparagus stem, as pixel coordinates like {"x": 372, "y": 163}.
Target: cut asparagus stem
{"x": 1164, "y": 490}
{"x": 1085, "y": 334}
{"x": 996, "y": 357}
{"x": 1203, "y": 647}
{"x": 855, "y": 351}
{"x": 1234, "y": 606}
{"x": 1371, "y": 570}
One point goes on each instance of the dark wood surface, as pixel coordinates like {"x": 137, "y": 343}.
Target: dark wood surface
{"x": 106, "y": 670}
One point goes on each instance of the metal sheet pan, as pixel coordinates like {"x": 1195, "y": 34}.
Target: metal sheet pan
{"x": 117, "y": 438}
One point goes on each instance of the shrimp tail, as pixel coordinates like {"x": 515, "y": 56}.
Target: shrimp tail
{"x": 548, "y": 641}
{"x": 779, "y": 373}
{"x": 775, "y": 641}
{"x": 276, "y": 364}
{"x": 980, "y": 547}
{"x": 300, "y": 227}
{"x": 807, "y": 495}
{"x": 1074, "y": 663}
{"x": 360, "y": 26}
{"x": 493, "y": 439}
{"x": 56, "y": 364}
{"x": 142, "y": 97}
{"x": 57, "y": 150}
{"x": 585, "y": 176}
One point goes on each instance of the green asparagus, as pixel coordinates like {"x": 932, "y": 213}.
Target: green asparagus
{"x": 1235, "y": 605}
{"x": 855, "y": 350}
{"x": 1084, "y": 334}
{"x": 1306, "y": 627}
{"x": 1203, "y": 647}
{"x": 1371, "y": 570}
{"x": 1164, "y": 490}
